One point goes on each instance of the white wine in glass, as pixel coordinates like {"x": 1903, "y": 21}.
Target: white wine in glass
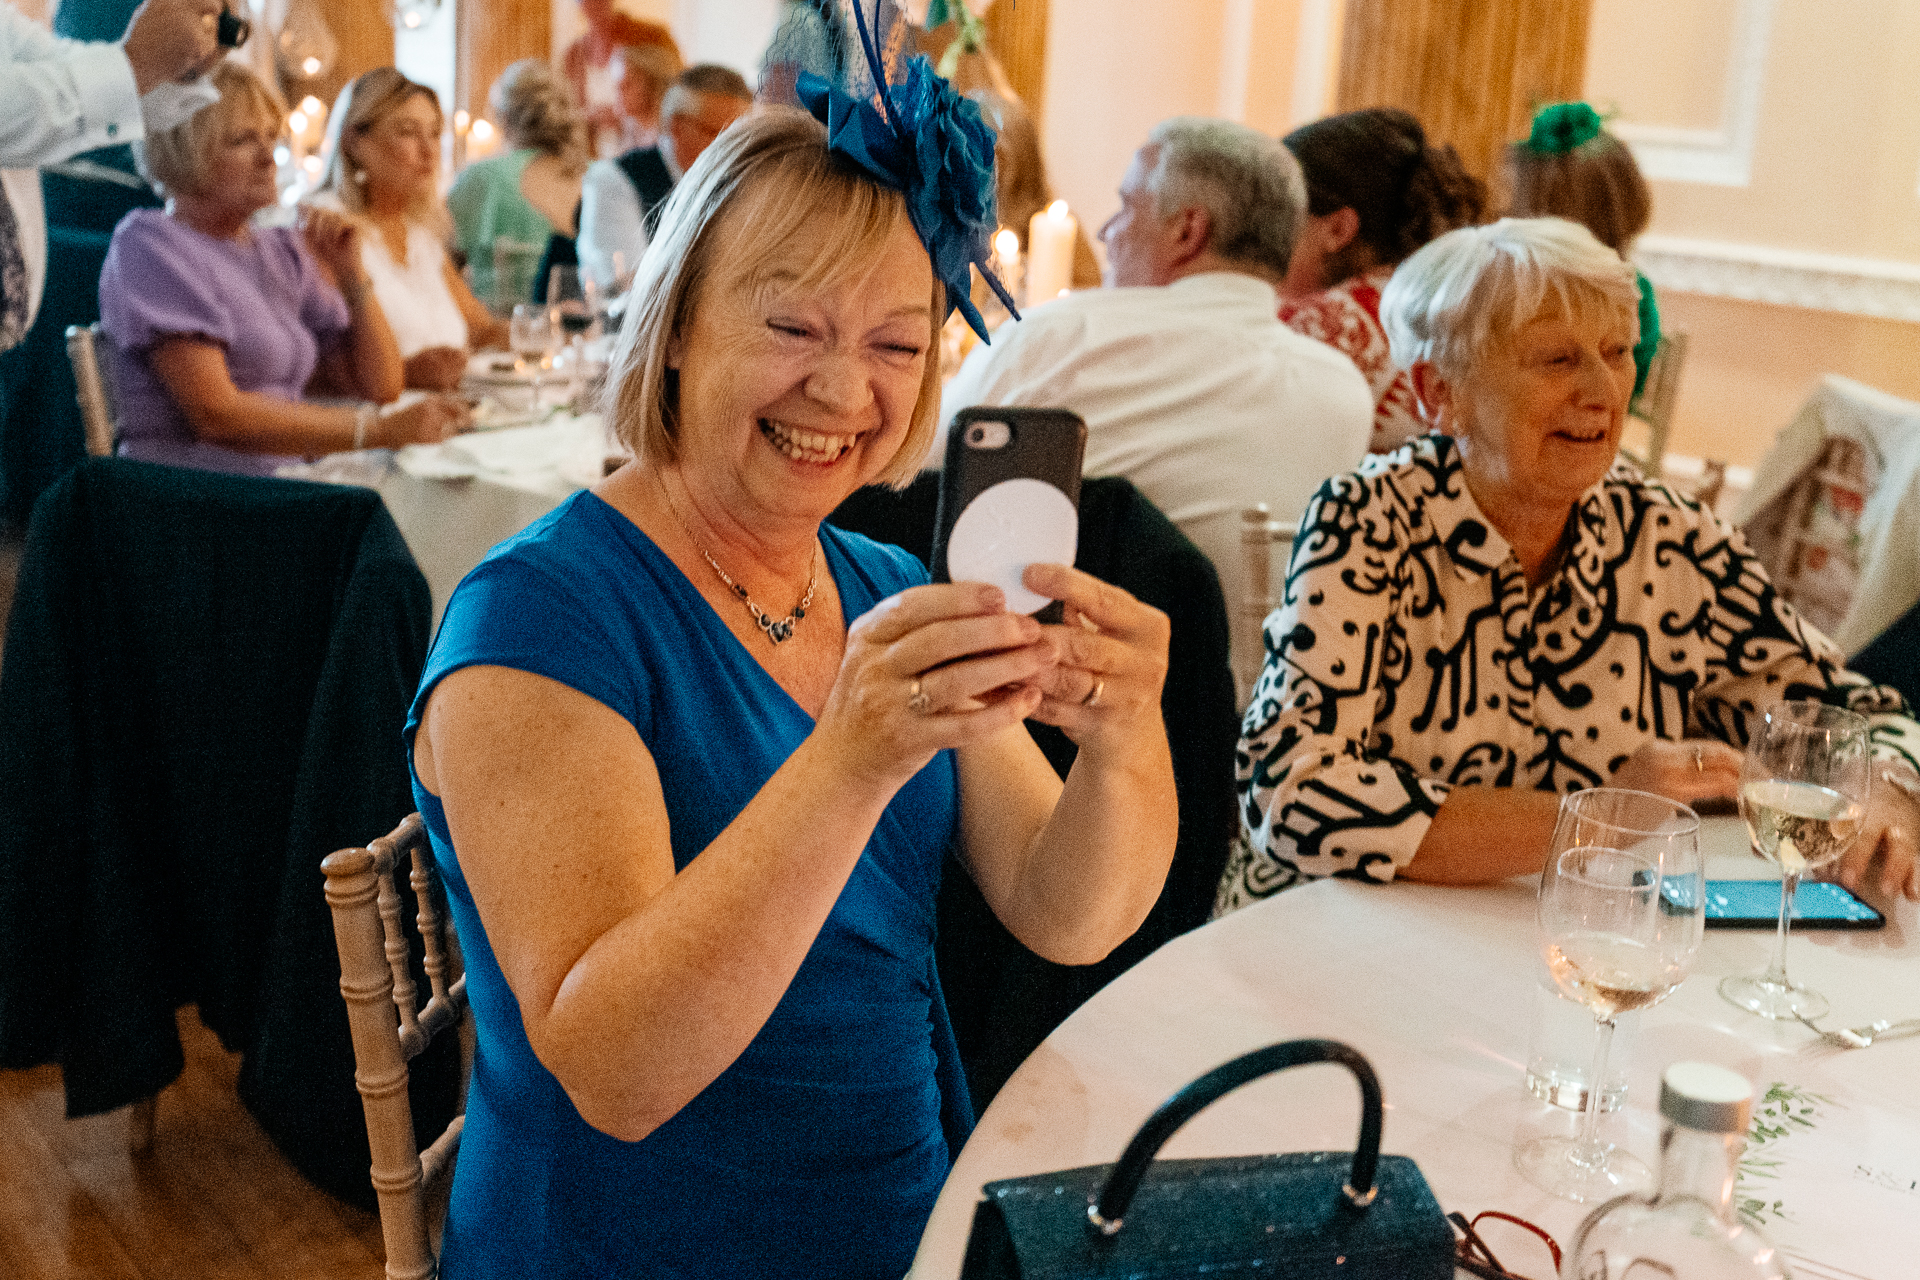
{"x": 1804, "y": 785}
{"x": 1622, "y": 903}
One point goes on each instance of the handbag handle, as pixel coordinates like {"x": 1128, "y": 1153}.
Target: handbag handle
{"x": 1109, "y": 1205}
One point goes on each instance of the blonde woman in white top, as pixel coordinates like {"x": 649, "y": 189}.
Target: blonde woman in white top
{"x": 383, "y": 164}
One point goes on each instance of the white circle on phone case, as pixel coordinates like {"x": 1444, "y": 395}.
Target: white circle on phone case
{"x": 1008, "y": 527}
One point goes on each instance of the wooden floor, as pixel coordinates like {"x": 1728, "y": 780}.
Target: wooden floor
{"x": 213, "y": 1199}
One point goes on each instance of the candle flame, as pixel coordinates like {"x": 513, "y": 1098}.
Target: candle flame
{"x": 1006, "y": 244}
{"x": 460, "y": 121}
{"x": 314, "y": 108}
{"x": 297, "y": 122}
{"x": 1058, "y": 211}
{"x": 482, "y": 130}
{"x": 311, "y": 66}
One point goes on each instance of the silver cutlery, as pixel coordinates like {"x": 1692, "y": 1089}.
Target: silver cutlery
{"x": 1861, "y": 1037}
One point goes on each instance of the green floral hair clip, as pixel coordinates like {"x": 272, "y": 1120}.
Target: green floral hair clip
{"x": 1559, "y": 127}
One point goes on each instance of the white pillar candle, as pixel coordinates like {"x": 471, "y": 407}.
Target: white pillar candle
{"x": 1050, "y": 240}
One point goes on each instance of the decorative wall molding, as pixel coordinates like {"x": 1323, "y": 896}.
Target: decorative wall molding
{"x": 1784, "y": 277}
{"x": 1721, "y": 156}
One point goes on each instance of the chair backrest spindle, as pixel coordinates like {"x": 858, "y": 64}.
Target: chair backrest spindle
{"x": 376, "y": 980}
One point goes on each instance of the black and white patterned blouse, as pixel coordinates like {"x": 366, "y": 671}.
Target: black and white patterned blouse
{"x": 1409, "y": 657}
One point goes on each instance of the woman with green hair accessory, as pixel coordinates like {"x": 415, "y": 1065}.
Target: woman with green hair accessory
{"x": 1570, "y": 167}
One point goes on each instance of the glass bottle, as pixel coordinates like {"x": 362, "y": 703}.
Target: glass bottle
{"x": 1687, "y": 1226}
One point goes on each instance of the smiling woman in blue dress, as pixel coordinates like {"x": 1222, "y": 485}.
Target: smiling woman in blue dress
{"x": 691, "y": 760}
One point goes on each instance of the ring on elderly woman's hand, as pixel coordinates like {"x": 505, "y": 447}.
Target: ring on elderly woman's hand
{"x": 917, "y": 700}
{"x": 1093, "y": 695}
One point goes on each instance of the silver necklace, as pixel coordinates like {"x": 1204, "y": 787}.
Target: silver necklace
{"x": 778, "y": 630}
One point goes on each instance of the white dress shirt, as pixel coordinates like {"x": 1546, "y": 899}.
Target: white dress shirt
{"x": 1194, "y": 391}
{"x": 57, "y": 99}
{"x": 611, "y": 221}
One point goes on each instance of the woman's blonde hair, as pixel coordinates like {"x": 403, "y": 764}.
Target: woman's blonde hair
{"x": 767, "y": 179}
{"x": 1460, "y": 294}
{"x": 175, "y": 161}
{"x": 360, "y": 108}
{"x": 535, "y": 109}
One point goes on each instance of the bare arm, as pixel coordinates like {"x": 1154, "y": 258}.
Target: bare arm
{"x": 485, "y": 331}
{"x": 1482, "y": 834}
{"x": 1073, "y": 871}
{"x": 639, "y": 985}
{"x": 195, "y": 374}
{"x": 367, "y": 364}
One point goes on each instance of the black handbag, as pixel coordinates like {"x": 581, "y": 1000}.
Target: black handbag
{"x": 1307, "y": 1214}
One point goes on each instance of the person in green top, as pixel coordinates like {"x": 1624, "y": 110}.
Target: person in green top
{"x": 514, "y": 202}
{"x": 1570, "y": 167}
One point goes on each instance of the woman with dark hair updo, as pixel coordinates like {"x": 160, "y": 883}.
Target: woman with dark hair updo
{"x": 1376, "y": 192}
{"x": 1570, "y": 167}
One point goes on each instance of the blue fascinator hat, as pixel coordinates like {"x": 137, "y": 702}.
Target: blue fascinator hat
{"x": 910, "y": 131}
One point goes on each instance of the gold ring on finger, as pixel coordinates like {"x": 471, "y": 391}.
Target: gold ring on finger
{"x": 917, "y": 700}
{"x": 1093, "y": 695}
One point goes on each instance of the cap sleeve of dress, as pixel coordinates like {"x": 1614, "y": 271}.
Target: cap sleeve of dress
{"x": 160, "y": 286}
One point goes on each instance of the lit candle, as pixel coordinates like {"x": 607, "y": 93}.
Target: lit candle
{"x": 1006, "y": 249}
{"x": 1050, "y": 241}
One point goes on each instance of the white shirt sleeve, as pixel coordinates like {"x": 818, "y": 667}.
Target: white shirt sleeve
{"x": 60, "y": 97}
{"x": 610, "y": 223}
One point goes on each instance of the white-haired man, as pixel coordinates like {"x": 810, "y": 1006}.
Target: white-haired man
{"x": 618, "y": 197}
{"x": 1190, "y": 386}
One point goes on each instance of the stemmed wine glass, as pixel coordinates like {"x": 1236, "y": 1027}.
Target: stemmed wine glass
{"x": 1803, "y": 790}
{"x": 1622, "y": 903}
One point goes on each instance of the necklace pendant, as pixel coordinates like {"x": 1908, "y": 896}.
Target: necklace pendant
{"x": 778, "y": 632}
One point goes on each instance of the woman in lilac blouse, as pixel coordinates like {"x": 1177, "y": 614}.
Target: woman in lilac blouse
{"x": 219, "y": 328}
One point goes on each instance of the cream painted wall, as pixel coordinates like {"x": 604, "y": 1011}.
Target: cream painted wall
{"x": 1115, "y": 68}
{"x": 1835, "y": 171}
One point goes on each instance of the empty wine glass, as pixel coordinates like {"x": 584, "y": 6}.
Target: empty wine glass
{"x": 1804, "y": 785}
{"x": 1622, "y": 902}
{"x": 534, "y": 335}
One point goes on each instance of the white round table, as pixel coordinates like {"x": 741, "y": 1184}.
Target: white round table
{"x": 1436, "y": 987}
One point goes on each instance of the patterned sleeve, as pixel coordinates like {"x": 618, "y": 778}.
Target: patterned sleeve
{"x": 1318, "y": 789}
{"x": 1763, "y": 651}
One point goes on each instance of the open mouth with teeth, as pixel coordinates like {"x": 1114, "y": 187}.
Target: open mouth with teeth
{"x": 805, "y": 446}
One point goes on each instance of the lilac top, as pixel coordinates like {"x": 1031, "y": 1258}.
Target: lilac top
{"x": 263, "y": 302}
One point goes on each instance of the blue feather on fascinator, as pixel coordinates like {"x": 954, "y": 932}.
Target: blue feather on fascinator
{"x": 910, "y": 131}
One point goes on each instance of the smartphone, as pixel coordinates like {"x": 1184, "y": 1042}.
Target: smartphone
{"x": 1009, "y": 497}
{"x": 1755, "y": 904}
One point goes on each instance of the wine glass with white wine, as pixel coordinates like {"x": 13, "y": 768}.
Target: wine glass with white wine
{"x": 1622, "y": 902}
{"x": 1804, "y": 786}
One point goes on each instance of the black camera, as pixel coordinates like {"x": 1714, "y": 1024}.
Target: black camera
{"x": 233, "y": 30}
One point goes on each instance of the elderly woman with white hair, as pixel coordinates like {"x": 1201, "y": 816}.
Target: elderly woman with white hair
{"x": 1496, "y": 614}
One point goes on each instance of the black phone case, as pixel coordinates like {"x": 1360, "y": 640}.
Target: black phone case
{"x": 1047, "y": 444}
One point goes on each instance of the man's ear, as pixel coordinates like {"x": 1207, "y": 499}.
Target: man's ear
{"x": 1435, "y": 392}
{"x": 1193, "y": 234}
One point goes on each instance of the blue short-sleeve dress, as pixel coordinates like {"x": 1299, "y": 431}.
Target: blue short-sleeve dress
{"x": 820, "y": 1151}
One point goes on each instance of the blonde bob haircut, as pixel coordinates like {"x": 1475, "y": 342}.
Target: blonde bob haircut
{"x": 1461, "y": 294}
{"x": 750, "y": 195}
{"x": 175, "y": 161}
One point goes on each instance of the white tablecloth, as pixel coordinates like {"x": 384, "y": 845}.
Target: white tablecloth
{"x": 455, "y": 501}
{"x": 1435, "y": 986}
